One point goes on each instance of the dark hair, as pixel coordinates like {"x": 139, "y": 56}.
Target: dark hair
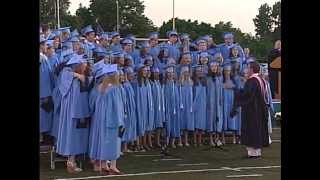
{"x": 140, "y": 78}
{"x": 199, "y": 80}
{"x": 255, "y": 67}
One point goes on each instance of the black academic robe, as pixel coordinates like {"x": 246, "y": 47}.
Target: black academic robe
{"x": 254, "y": 125}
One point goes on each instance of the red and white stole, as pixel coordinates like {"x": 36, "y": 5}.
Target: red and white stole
{"x": 263, "y": 86}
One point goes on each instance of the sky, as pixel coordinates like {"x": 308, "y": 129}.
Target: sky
{"x": 239, "y": 12}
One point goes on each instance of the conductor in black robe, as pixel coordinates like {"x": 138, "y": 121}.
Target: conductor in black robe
{"x": 254, "y": 112}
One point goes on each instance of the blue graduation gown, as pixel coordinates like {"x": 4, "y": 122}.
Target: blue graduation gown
{"x": 174, "y": 51}
{"x": 46, "y": 87}
{"x": 213, "y": 100}
{"x": 141, "y": 92}
{"x": 116, "y": 47}
{"x": 154, "y": 52}
{"x": 186, "y": 109}
{"x": 71, "y": 140}
{"x": 130, "y": 133}
{"x": 158, "y": 101}
{"x": 172, "y": 113}
{"x": 150, "y": 120}
{"x": 88, "y": 48}
{"x": 237, "y": 118}
{"x": 199, "y": 106}
{"x": 228, "y": 98}
{"x": 107, "y": 108}
{"x": 219, "y": 89}
{"x": 125, "y": 110}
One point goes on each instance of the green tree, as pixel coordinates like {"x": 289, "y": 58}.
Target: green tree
{"x": 48, "y": 12}
{"x": 131, "y": 16}
{"x": 263, "y": 21}
{"x": 276, "y": 19}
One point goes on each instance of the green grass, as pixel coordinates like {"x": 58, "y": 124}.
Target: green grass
{"x": 232, "y": 156}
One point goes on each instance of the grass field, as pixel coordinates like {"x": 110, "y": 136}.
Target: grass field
{"x": 201, "y": 163}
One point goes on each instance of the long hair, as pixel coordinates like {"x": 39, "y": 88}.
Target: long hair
{"x": 112, "y": 79}
{"x": 140, "y": 78}
{"x": 199, "y": 80}
{"x": 182, "y": 79}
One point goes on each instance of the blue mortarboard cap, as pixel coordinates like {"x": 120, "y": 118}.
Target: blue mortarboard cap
{"x": 207, "y": 37}
{"x": 128, "y": 56}
{"x": 200, "y": 40}
{"x": 128, "y": 69}
{"x": 67, "y": 44}
{"x": 49, "y": 43}
{"x": 170, "y": 68}
{"x": 88, "y": 29}
{"x": 155, "y": 69}
{"x": 54, "y": 34}
{"x": 140, "y": 66}
{"x": 42, "y": 39}
{"x": 126, "y": 41}
{"x": 184, "y": 68}
{"x": 171, "y": 33}
{"x": 184, "y": 36}
{"x": 97, "y": 66}
{"x": 77, "y": 59}
{"x": 118, "y": 54}
{"x": 74, "y": 39}
{"x": 64, "y": 30}
{"x": 131, "y": 36}
{"x": 104, "y": 35}
{"x": 153, "y": 35}
{"x": 213, "y": 62}
{"x": 75, "y": 33}
{"x": 145, "y": 44}
{"x": 227, "y": 66}
{"x": 204, "y": 54}
{"x": 114, "y": 34}
{"x": 227, "y": 35}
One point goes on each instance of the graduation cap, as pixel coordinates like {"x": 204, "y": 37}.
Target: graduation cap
{"x": 184, "y": 68}
{"x": 172, "y": 33}
{"x": 97, "y": 66}
{"x": 213, "y": 62}
{"x": 75, "y": 33}
{"x": 64, "y": 30}
{"x": 155, "y": 69}
{"x": 54, "y": 34}
{"x": 67, "y": 44}
{"x": 200, "y": 40}
{"x": 131, "y": 36}
{"x": 184, "y": 36}
{"x": 128, "y": 69}
{"x": 77, "y": 59}
{"x": 204, "y": 54}
{"x": 139, "y": 66}
{"x": 42, "y": 40}
{"x": 170, "y": 68}
{"x": 114, "y": 34}
{"x": 104, "y": 35}
{"x": 153, "y": 35}
{"x": 87, "y": 29}
{"x": 49, "y": 43}
{"x": 118, "y": 54}
{"x": 100, "y": 51}
{"x": 144, "y": 44}
{"x": 227, "y": 35}
{"x": 207, "y": 37}
{"x": 74, "y": 39}
{"x": 171, "y": 60}
{"x": 227, "y": 66}
{"x": 126, "y": 41}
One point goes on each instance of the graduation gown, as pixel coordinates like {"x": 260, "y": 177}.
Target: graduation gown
{"x": 174, "y": 51}
{"x": 107, "y": 108}
{"x": 199, "y": 106}
{"x": 254, "y": 116}
{"x": 158, "y": 101}
{"x": 219, "y": 89}
{"x": 172, "y": 113}
{"x": 150, "y": 120}
{"x": 74, "y": 106}
{"x": 229, "y": 124}
{"x": 141, "y": 92}
{"x": 46, "y": 87}
{"x": 237, "y": 118}
{"x": 213, "y": 98}
{"x": 130, "y": 133}
{"x": 186, "y": 109}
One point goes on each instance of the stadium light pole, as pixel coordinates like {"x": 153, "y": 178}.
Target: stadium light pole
{"x": 173, "y": 20}
{"x": 117, "y": 15}
{"x": 58, "y": 13}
